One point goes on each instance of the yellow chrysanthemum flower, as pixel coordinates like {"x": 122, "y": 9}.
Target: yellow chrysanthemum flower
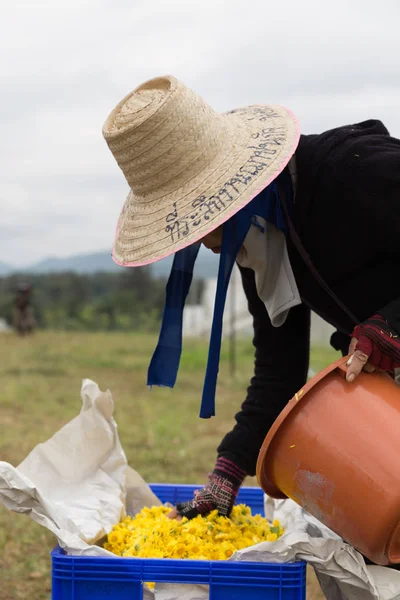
{"x": 151, "y": 534}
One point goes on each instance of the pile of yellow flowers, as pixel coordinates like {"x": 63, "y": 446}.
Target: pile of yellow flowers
{"x": 151, "y": 534}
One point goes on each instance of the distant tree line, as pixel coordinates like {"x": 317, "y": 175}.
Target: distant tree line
{"x": 130, "y": 299}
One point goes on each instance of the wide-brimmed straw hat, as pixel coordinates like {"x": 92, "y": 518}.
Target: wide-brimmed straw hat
{"x": 188, "y": 167}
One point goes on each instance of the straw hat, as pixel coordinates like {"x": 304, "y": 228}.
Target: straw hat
{"x": 188, "y": 167}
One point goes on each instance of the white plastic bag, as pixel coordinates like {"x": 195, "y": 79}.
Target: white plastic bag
{"x": 76, "y": 483}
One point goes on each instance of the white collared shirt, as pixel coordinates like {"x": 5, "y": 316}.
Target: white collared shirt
{"x": 265, "y": 252}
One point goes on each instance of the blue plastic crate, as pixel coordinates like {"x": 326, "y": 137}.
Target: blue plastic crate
{"x": 87, "y": 578}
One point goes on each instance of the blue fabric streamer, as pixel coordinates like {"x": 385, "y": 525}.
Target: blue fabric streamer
{"x": 164, "y": 365}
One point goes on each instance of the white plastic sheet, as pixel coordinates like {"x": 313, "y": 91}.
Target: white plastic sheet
{"x": 78, "y": 485}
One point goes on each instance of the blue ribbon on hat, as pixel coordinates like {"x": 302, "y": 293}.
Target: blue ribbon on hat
{"x": 164, "y": 365}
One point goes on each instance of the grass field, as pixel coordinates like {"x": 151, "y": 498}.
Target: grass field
{"x": 160, "y": 430}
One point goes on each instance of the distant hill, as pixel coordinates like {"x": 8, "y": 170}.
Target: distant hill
{"x": 5, "y": 269}
{"x": 206, "y": 265}
{"x": 81, "y": 263}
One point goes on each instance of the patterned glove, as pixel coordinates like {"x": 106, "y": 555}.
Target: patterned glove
{"x": 380, "y": 342}
{"x": 220, "y": 492}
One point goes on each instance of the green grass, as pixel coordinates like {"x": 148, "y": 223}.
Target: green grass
{"x": 160, "y": 430}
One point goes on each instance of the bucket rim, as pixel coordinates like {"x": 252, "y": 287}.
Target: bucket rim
{"x": 267, "y": 486}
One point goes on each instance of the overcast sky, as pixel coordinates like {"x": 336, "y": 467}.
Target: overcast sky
{"x": 65, "y": 64}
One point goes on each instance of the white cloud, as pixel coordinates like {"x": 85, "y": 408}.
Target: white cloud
{"x": 69, "y": 63}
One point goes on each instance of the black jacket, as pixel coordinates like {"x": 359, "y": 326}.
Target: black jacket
{"x": 347, "y": 215}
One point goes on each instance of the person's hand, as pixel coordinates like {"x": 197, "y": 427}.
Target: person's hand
{"x": 374, "y": 345}
{"x": 220, "y": 492}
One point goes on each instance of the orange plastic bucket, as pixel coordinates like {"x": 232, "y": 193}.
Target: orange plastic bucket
{"x": 335, "y": 450}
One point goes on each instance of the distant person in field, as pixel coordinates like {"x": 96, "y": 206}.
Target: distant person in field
{"x": 313, "y": 221}
{"x": 23, "y": 314}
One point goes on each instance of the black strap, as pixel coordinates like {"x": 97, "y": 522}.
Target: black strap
{"x": 306, "y": 257}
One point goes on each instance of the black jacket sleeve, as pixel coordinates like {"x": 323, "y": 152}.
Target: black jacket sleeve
{"x": 368, "y": 167}
{"x": 391, "y": 313}
{"x": 281, "y": 368}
